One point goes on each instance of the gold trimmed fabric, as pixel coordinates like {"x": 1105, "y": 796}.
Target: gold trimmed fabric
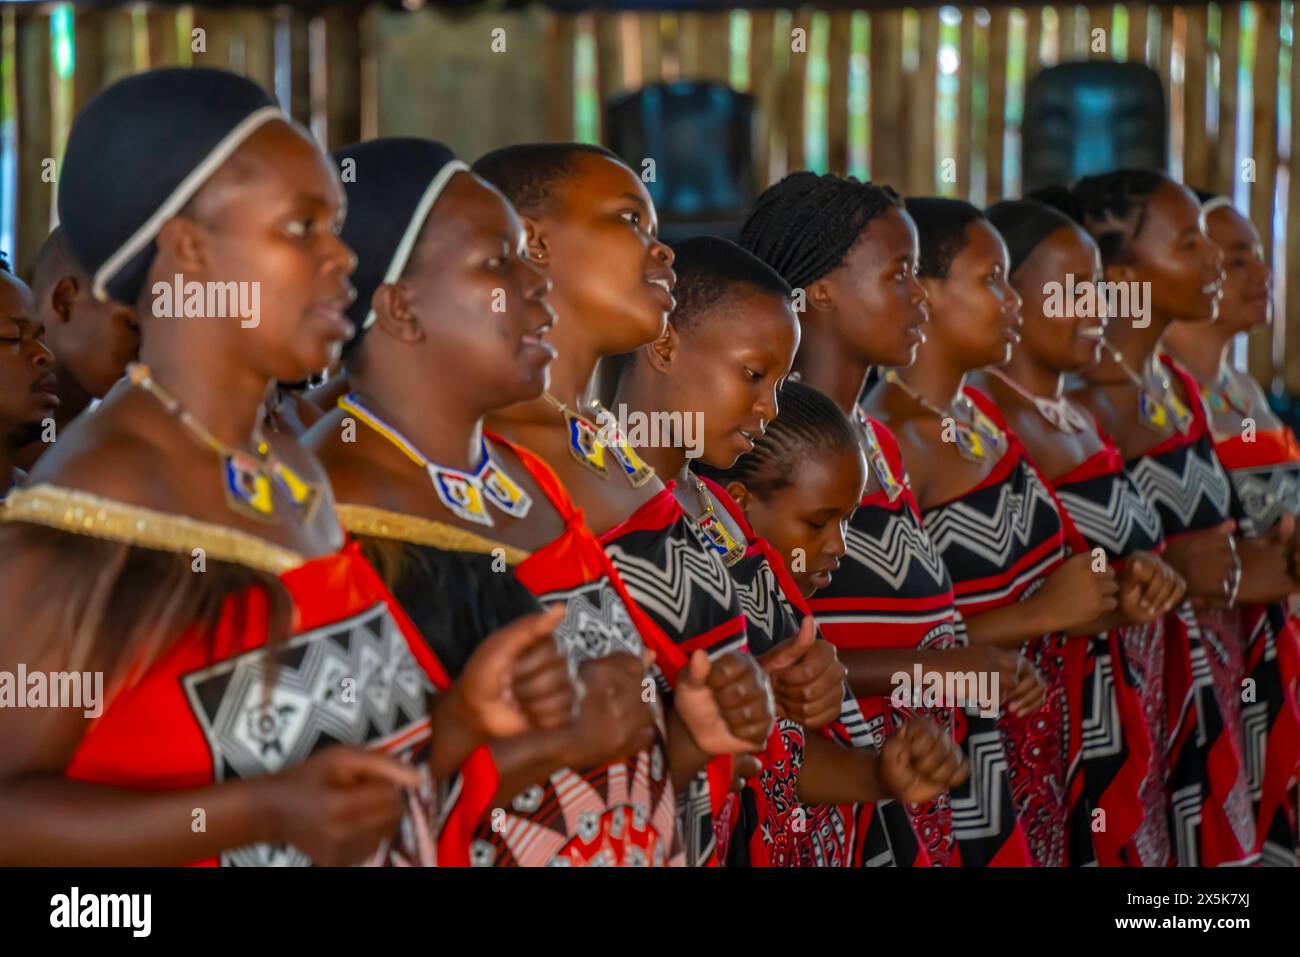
{"x": 381, "y": 523}
{"x": 83, "y": 513}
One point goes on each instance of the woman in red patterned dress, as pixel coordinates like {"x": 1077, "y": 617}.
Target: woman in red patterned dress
{"x": 1153, "y": 244}
{"x": 592, "y": 226}
{"x": 988, "y": 511}
{"x": 1117, "y": 783}
{"x": 170, "y": 541}
{"x": 1263, "y": 460}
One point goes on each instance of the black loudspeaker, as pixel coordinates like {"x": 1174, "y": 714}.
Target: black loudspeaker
{"x": 1085, "y": 118}
{"x": 700, "y": 137}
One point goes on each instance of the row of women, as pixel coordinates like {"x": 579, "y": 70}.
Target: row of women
{"x": 463, "y": 618}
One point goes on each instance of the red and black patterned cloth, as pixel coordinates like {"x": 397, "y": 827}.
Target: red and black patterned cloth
{"x": 1265, "y": 473}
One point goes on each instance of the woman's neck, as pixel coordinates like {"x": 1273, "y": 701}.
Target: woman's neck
{"x": 1136, "y": 346}
{"x": 1031, "y": 374}
{"x": 571, "y": 374}
{"x": 636, "y": 393}
{"x": 935, "y": 377}
{"x": 827, "y": 365}
{"x": 227, "y": 399}
{"x": 1199, "y": 348}
{"x": 444, "y": 430}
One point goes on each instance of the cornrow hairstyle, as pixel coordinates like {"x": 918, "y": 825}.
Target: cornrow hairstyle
{"x": 805, "y": 225}
{"x": 941, "y": 231}
{"x": 527, "y": 173}
{"x": 807, "y": 426}
{"x": 1024, "y": 223}
{"x": 1113, "y": 208}
{"x": 710, "y": 273}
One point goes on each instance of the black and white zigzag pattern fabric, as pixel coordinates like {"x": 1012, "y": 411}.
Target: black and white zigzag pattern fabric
{"x": 1187, "y": 486}
{"x": 993, "y": 525}
{"x": 679, "y": 580}
{"x": 1111, "y": 512}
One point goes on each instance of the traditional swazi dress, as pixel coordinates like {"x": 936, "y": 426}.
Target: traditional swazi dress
{"x": 1211, "y": 819}
{"x": 675, "y": 575}
{"x": 772, "y": 826}
{"x": 893, "y": 590}
{"x": 617, "y": 815}
{"x": 1116, "y": 686}
{"x": 1265, "y": 473}
{"x": 211, "y": 705}
{"x": 1000, "y": 541}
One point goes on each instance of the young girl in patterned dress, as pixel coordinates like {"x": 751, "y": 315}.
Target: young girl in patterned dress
{"x": 1263, "y": 460}
{"x": 729, "y": 342}
{"x": 1117, "y": 782}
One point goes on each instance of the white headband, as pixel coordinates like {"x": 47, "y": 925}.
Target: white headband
{"x": 403, "y": 251}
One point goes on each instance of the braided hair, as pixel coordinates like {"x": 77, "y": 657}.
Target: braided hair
{"x": 941, "y": 231}
{"x": 808, "y": 425}
{"x": 805, "y": 225}
{"x": 1112, "y": 207}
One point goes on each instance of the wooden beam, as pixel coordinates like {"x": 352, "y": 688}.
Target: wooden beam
{"x": 1196, "y": 144}
{"x": 1264, "y": 148}
{"x": 1102, "y": 18}
{"x": 1033, "y": 41}
{"x": 762, "y": 86}
{"x": 997, "y": 102}
{"x": 1225, "y": 147}
{"x": 1137, "y": 32}
{"x": 1291, "y": 308}
{"x": 162, "y": 37}
{"x": 560, "y": 32}
{"x": 342, "y": 76}
{"x": 839, "y": 55}
{"x": 35, "y": 134}
{"x": 965, "y": 102}
{"x": 715, "y": 47}
{"x": 886, "y": 162}
{"x": 923, "y": 105}
{"x": 794, "y": 90}
{"x": 88, "y": 68}
{"x": 1165, "y": 54}
{"x": 651, "y": 48}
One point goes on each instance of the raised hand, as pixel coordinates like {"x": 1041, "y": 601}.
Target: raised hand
{"x": 725, "y": 704}
{"x": 517, "y": 680}
{"x": 807, "y": 677}
{"x": 614, "y": 719}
